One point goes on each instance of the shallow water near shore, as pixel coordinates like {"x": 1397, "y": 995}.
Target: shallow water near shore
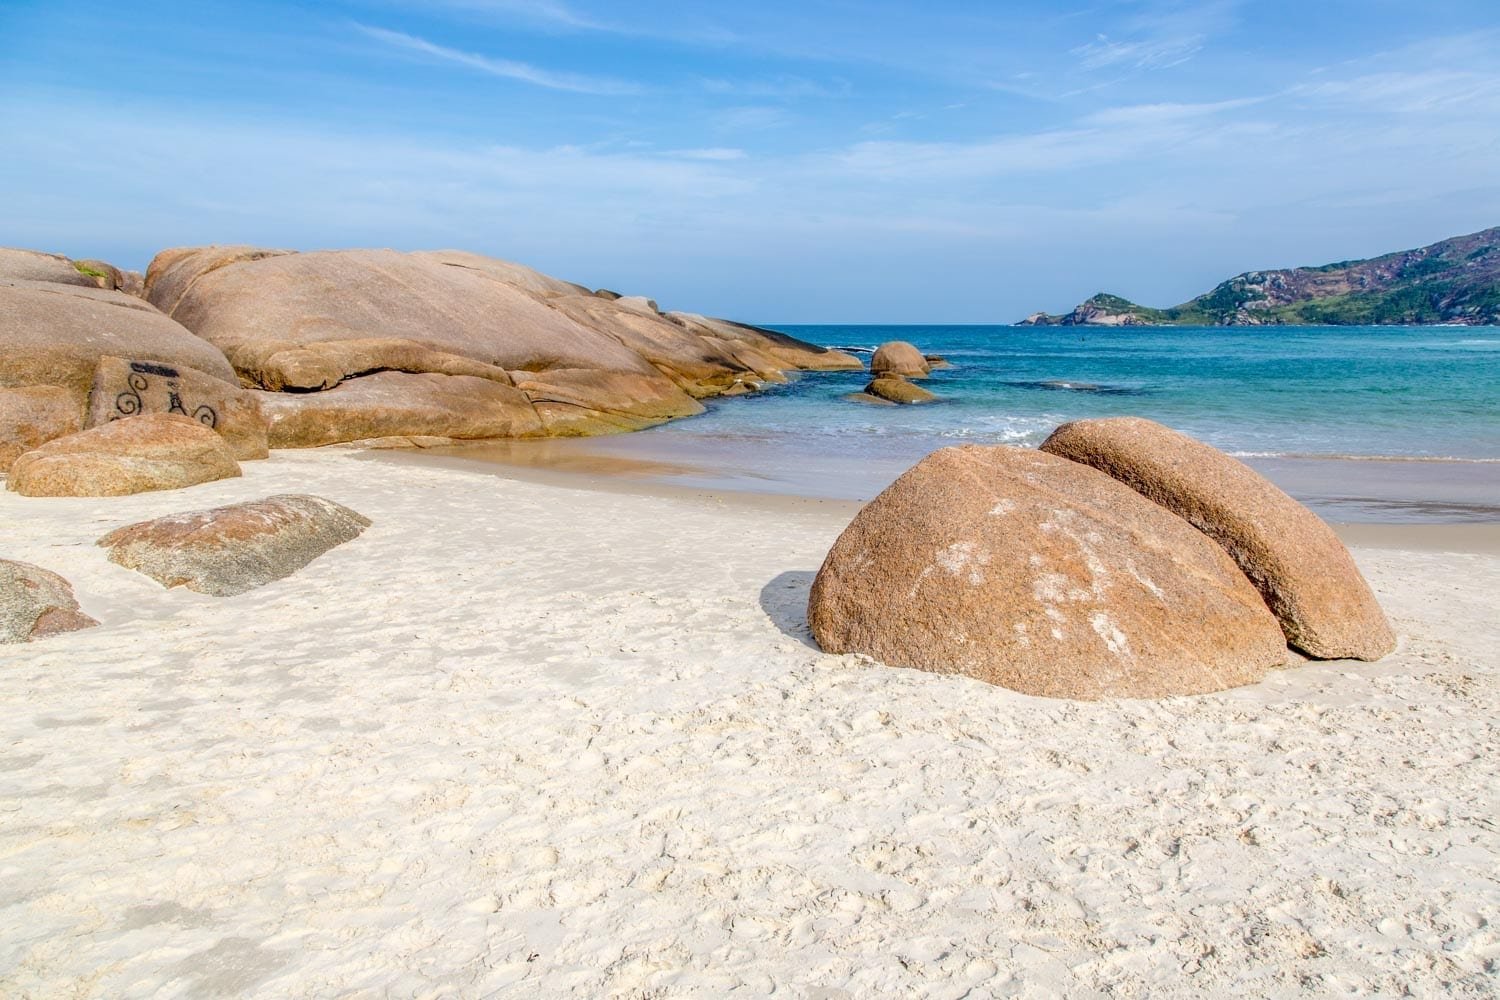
{"x": 1365, "y": 424}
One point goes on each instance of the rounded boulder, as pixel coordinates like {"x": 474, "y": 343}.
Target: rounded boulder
{"x": 1043, "y": 576}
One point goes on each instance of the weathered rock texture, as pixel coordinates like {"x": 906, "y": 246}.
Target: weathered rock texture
{"x": 34, "y": 415}
{"x": 157, "y": 451}
{"x": 897, "y": 357}
{"x": 1040, "y": 575}
{"x": 584, "y": 364}
{"x": 35, "y": 603}
{"x": 33, "y": 265}
{"x": 392, "y": 404}
{"x": 896, "y": 389}
{"x": 229, "y": 550}
{"x": 1298, "y": 564}
{"x": 128, "y": 388}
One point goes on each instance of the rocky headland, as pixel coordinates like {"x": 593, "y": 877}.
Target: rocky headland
{"x": 1454, "y": 281}
{"x": 284, "y": 349}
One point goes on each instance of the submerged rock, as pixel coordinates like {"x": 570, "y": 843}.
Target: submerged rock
{"x": 35, "y": 603}
{"x": 896, "y": 389}
{"x": 230, "y": 550}
{"x": 1043, "y": 576}
{"x": 157, "y": 451}
{"x": 1303, "y": 571}
{"x": 897, "y": 357}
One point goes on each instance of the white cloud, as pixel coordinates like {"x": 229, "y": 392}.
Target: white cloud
{"x": 506, "y": 68}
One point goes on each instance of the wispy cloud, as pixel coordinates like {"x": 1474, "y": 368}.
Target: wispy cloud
{"x": 1105, "y": 52}
{"x": 715, "y": 154}
{"x": 509, "y": 69}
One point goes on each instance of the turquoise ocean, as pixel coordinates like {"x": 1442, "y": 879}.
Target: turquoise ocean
{"x": 1364, "y": 423}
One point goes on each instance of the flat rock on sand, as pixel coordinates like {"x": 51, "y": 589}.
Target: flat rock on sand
{"x": 1303, "y": 571}
{"x": 1040, "y": 575}
{"x": 229, "y": 550}
{"x": 35, "y": 603}
{"x": 157, "y": 451}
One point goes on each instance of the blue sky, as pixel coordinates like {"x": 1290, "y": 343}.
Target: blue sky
{"x": 814, "y": 161}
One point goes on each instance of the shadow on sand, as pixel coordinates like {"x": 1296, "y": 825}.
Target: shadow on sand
{"x": 784, "y": 600}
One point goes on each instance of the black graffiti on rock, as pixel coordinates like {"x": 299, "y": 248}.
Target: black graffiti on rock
{"x": 133, "y": 401}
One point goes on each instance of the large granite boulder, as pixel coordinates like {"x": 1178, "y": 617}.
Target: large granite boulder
{"x": 270, "y": 313}
{"x": 125, "y": 388}
{"x": 1303, "y": 571}
{"x": 156, "y": 451}
{"x": 32, "y": 416}
{"x": 589, "y": 364}
{"x": 54, "y": 334}
{"x": 396, "y": 404}
{"x": 1040, "y": 575}
{"x": 35, "y": 603}
{"x": 33, "y": 265}
{"x": 897, "y": 357}
{"x": 897, "y": 389}
{"x": 229, "y": 550}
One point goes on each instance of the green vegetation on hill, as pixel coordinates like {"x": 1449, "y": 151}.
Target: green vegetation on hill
{"x": 1455, "y": 281}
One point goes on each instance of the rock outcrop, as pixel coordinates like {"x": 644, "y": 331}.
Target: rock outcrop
{"x": 897, "y": 357}
{"x": 1303, "y": 571}
{"x": 897, "y": 389}
{"x": 126, "y": 388}
{"x": 585, "y": 364}
{"x": 157, "y": 451}
{"x": 32, "y": 416}
{"x": 1041, "y": 575}
{"x": 230, "y": 550}
{"x": 396, "y": 404}
{"x": 35, "y": 603}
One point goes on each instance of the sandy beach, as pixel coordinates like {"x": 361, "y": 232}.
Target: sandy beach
{"x": 520, "y": 739}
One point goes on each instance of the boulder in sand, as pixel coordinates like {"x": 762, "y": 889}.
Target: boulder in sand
{"x": 125, "y": 388}
{"x": 896, "y": 389}
{"x": 229, "y": 550}
{"x": 35, "y": 603}
{"x": 1300, "y": 567}
{"x": 34, "y": 415}
{"x": 157, "y": 451}
{"x": 897, "y": 357}
{"x": 1043, "y": 576}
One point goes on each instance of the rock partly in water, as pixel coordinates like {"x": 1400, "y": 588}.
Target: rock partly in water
{"x": 34, "y": 415}
{"x": 866, "y": 399}
{"x": 936, "y": 361}
{"x": 127, "y": 388}
{"x": 230, "y": 550}
{"x": 1300, "y": 567}
{"x": 35, "y": 603}
{"x": 397, "y": 404}
{"x": 1040, "y": 575}
{"x": 897, "y": 357}
{"x": 157, "y": 451}
{"x": 896, "y": 389}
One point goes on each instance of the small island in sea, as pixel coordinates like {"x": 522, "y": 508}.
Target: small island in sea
{"x": 1455, "y": 281}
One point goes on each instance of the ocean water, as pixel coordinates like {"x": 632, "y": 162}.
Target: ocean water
{"x": 1362, "y": 423}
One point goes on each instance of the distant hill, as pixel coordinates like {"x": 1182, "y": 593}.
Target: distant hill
{"x": 1455, "y": 281}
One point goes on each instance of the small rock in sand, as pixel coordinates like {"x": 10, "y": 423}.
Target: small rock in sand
{"x": 157, "y": 451}
{"x": 35, "y": 603}
{"x": 229, "y": 550}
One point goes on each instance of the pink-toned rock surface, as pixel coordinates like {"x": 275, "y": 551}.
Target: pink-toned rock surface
{"x": 36, "y": 603}
{"x": 1300, "y": 567}
{"x": 1043, "y": 576}
{"x": 157, "y": 451}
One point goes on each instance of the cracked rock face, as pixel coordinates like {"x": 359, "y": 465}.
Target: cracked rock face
{"x": 1040, "y": 575}
{"x": 35, "y": 603}
{"x": 1303, "y": 571}
{"x": 229, "y": 550}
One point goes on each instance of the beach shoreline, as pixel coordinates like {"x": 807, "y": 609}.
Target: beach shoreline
{"x": 521, "y": 738}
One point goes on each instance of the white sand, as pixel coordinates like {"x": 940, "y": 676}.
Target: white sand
{"x": 519, "y": 740}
